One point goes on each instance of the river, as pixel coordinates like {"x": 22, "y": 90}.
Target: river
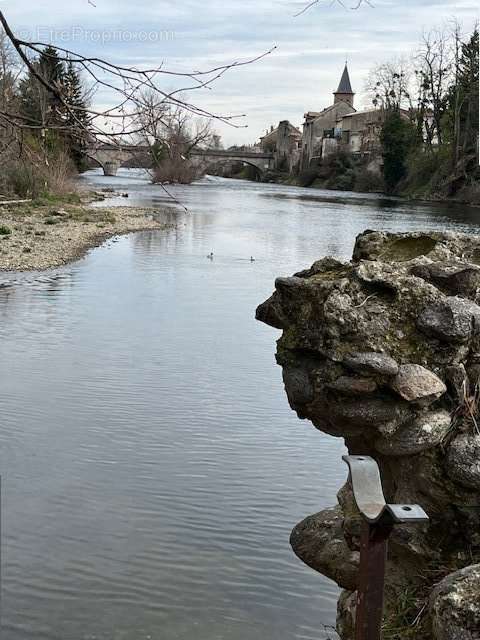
{"x": 151, "y": 467}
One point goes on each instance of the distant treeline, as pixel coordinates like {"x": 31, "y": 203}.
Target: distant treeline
{"x": 429, "y": 139}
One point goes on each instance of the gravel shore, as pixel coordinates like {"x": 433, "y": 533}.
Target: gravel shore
{"x": 43, "y": 235}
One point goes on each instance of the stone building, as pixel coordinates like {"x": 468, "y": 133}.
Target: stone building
{"x": 321, "y": 128}
{"x": 360, "y": 131}
{"x": 285, "y": 143}
{"x": 338, "y": 126}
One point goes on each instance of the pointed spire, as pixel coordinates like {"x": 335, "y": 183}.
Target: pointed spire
{"x": 345, "y": 85}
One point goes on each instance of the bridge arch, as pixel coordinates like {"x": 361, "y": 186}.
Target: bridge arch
{"x": 111, "y": 157}
{"x": 215, "y": 163}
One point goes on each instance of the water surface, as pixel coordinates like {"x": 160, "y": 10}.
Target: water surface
{"x": 152, "y": 469}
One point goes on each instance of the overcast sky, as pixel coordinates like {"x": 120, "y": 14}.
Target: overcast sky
{"x": 298, "y": 76}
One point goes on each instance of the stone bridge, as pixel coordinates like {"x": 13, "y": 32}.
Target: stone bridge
{"x": 111, "y": 157}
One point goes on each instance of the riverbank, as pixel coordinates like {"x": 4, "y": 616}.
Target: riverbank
{"x": 468, "y": 196}
{"x": 358, "y": 178}
{"x": 46, "y": 233}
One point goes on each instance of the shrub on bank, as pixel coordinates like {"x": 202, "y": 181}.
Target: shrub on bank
{"x": 37, "y": 175}
{"x": 307, "y": 177}
{"x": 470, "y": 193}
{"x": 343, "y": 171}
{"x": 369, "y": 181}
{"x": 344, "y": 181}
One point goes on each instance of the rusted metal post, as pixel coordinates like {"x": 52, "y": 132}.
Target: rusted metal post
{"x": 371, "y": 580}
{"x": 379, "y": 519}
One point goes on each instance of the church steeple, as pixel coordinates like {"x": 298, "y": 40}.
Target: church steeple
{"x": 344, "y": 93}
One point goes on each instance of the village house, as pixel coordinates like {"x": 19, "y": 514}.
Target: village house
{"x": 321, "y": 129}
{"x": 285, "y": 142}
{"x": 337, "y": 126}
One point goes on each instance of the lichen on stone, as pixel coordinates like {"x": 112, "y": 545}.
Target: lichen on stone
{"x": 383, "y": 351}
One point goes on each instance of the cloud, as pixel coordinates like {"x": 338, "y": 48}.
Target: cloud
{"x": 198, "y": 34}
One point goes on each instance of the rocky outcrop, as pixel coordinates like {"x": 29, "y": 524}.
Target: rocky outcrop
{"x": 384, "y": 351}
{"x": 319, "y": 542}
{"x": 455, "y": 606}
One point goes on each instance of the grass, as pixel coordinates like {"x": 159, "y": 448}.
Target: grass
{"x": 407, "y": 619}
{"x": 4, "y": 230}
{"x": 93, "y": 216}
{"x": 466, "y": 414}
{"x": 50, "y": 198}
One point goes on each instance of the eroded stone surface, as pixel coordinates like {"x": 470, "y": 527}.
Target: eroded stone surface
{"x": 450, "y": 319}
{"x": 383, "y": 351}
{"x": 416, "y": 383}
{"x": 456, "y": 278}
{"x": 455, "y": 606}
{"x": 426, "y": 432}
{"x": 353, "y": 386}
{"x": 463, "y": 460}
{"x": 318, "y": 541}
{"x": 377, "y": 363}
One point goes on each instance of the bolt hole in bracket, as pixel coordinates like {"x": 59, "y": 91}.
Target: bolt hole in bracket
{"x": 368, "y": 494}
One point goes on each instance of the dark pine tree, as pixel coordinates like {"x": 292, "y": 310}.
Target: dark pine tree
{"x": 76, "y": 117}
{"x": 397, "y": 138}
{"x": 468, "y": 87}
{"x": 38, "y": 104}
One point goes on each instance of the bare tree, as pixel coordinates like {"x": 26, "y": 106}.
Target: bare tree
{"x": 126, "y": 84}
{"x": 353, "y": 5}
{"x": 171, "y": 134}
{"x": 435, "y": 73}
{"x": 388, "y": 84}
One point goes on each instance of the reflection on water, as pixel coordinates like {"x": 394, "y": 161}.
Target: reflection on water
{"x": 152, "y": 469}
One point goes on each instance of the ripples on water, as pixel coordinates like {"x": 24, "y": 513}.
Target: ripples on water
{"x": 152, "y": 469}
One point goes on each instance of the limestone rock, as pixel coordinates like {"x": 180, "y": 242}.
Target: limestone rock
{"x": 373, "y": 363}
{"x": 318, "y": 541}
{"x": 451, "y": 319}
{"x": 366, "y": 348}
{"x": 390, "y": 247}
{"x": 457, "y": 278}
{"x": 458, "y": 379}
{"x": 327, "y": 265}
{"x": 298, "y": 385}
{"x": 426, "y": 432}
{"x": 463, "y": 460}
{"x": 346, "y": 612}
{"x": 370, "y": 412}
{"x": 353, "y": 386}
{"x": 271, "y": 313}
{"x": 384, "y": 275}
{"x": 289, "y": 285}
{"x": 416, "y": 383}
{"x": 455, "y": 606}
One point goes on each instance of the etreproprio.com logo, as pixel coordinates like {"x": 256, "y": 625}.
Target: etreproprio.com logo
{"x": 102, "y": 36}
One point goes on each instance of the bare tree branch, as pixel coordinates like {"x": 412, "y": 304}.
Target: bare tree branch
{"x": 354, "y": 7}
{"x": 126, "y": 83}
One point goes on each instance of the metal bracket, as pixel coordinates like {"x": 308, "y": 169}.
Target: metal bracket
{"x": 379, "y": 519}
{"x": 368, "y": 494}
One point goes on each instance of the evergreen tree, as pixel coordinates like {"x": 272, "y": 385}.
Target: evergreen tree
{"x": 58, "y": 118}
{"x": 51, "y": 68}
{"x": 41, "y": 106}
{"x": 468, "y": 86}
{"x": 31, "y": 99}
{"x": 76, "y": 118}
{"x": 461, "y": 118}
{"x": 397, "y": 138}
